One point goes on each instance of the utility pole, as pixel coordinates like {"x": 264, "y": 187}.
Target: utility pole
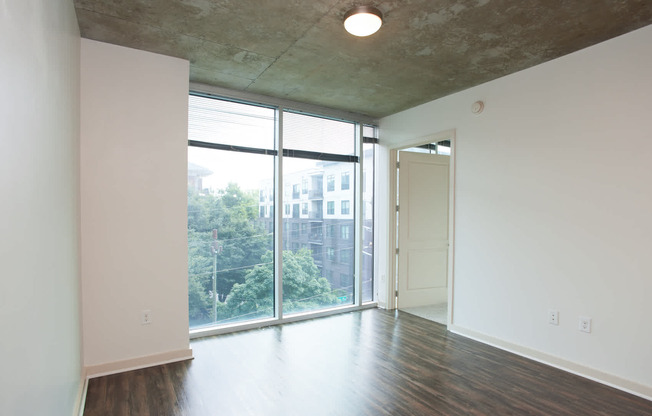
{"x": 214, "y": 249}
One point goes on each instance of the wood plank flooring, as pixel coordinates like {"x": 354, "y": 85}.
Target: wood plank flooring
{"x": 371, "y": 362}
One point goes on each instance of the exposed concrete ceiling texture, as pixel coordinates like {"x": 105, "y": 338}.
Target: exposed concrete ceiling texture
{"x": 299, "y": 50}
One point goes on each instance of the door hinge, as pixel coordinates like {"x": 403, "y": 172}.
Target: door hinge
{"x": 396, "y": 293}
{"x": 396, "y": 251}
{"x": 397, "y": 208}
{"x": 398, "y": 165}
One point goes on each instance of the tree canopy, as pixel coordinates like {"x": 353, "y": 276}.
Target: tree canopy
{"x": 303, "y": 287}
{"x": 241, "y": 242}
{"x": 242, "y": 261}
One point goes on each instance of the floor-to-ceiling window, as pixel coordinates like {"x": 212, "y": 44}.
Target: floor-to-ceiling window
{"x": 236, "y": 197}
{"x": 318, "y": 267}
{"x": 230, "y": 195}
{"x": 370, "y": 140}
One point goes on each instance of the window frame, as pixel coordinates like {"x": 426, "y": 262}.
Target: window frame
{"x": 278, "y": 196}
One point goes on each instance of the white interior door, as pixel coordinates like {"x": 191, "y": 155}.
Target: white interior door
{"x": 423, "y": 229}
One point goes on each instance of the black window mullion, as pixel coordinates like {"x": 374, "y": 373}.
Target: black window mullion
{"x": 305, "y": 154}
{"x": 244, "y": 149}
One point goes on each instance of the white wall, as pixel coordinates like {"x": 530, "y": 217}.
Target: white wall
{"x": 39, "y": 245}
{"x": 134, "y": 122}
{"x": 553, "y": 203}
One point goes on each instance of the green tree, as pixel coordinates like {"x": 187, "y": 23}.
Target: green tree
{"x": 303, "y": 287}
{"x": 242, "y": 240}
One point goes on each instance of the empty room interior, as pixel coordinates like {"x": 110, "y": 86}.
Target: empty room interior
{"x": 249, "y": 208}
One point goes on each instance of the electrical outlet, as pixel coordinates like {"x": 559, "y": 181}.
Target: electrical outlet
{"x": 553, "y": 317}
{"x": 585, "y": 324}
{"x": 147, "y": 317}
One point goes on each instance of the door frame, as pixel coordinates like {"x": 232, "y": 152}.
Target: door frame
{"x": 393, "y": 197}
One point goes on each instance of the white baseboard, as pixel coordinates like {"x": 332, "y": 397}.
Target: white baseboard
{"x": 80, "y": 401}
{"x": 137, "y": 363}
{"x": 587, "y": 372}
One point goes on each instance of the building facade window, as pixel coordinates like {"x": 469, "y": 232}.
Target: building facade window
{"x": 330, "y": 183}
{"x": 346, "y": 207}
{"x": 330, "y": 208}
{"x": 345, "y": 181}
{"x": 345, "y": 232}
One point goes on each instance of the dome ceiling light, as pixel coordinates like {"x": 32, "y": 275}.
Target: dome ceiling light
{"x": 363, "y": 20}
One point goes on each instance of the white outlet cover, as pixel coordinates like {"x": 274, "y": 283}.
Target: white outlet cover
{"x": 585, "y": 324}
{"x": 553, "y": 317}
{"x": 146, "y": 317}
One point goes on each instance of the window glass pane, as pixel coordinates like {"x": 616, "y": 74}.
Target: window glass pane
{"x": 367, "y": 255}
{"x": 418, "y": 150}
{"x": 315, "y": 134}
{"x": 230, "y": 123}
{"x": 230, "y": 260}
{"x": 444, "y": 148}
{"x": 312, "y": 276}
{"x": 370, "y": 131}
{"x": 231, "y": 197}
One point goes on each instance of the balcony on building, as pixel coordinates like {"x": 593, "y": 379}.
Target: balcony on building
{"x": 315, "y": 238}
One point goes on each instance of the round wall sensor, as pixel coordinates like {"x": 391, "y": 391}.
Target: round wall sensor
{"x": 477, "y": 107}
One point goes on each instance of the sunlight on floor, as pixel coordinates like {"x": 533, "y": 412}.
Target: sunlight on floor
{"x": 437, "y": 312}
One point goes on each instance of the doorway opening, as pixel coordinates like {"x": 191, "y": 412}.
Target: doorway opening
{"x": 423, "y": 229}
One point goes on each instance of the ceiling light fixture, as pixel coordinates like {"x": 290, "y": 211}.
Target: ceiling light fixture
{"x": 363, "y": 20}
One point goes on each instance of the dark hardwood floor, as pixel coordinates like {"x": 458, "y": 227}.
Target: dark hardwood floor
{"x": 372, "y": 362}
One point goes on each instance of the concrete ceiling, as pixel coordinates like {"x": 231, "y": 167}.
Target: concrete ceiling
{"x": 299, "y": 50}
